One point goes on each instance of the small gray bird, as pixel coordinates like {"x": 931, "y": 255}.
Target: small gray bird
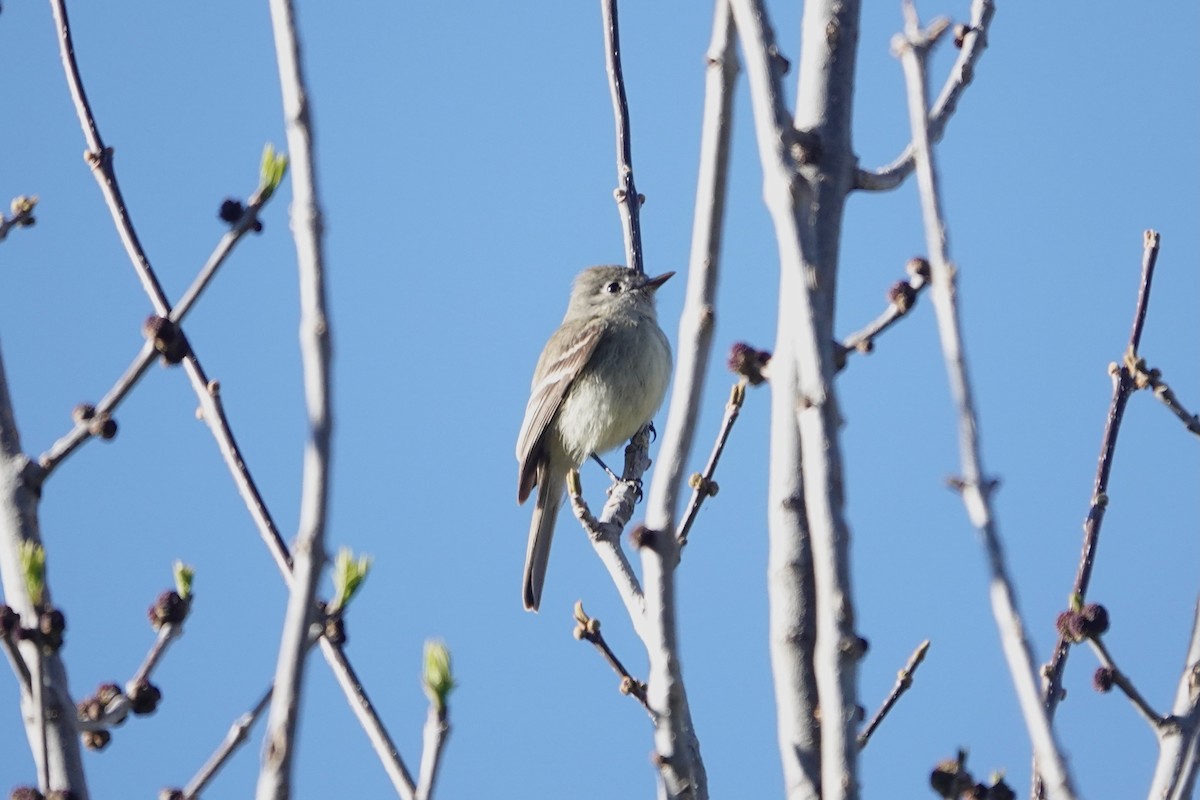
{"x": 600, "y": 378}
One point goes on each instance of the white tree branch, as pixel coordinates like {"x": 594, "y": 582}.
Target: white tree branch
{"x": 975, "y": 487}
{"x": 46, "y": 705}
{"x": 974, "y": 42}
{"x": 1179, "y": 745}
{"x": 309, "y": 553}
{"x": 807, "y": 173}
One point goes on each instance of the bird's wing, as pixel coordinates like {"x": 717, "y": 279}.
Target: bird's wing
{"x": 551, "y": 381}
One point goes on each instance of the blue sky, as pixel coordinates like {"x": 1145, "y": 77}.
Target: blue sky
{"x": 466, "y": 169}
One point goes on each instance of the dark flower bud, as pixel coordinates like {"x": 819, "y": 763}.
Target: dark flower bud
{"x": 1001, "y": 791}
{"x": 335, "y": 629}
{"x": 25, "y": 793}
{"x": 96, "y": 740}
{"x": 108, "y": 692}
{"x": 83, "y": 412}
{"x": 9, "y": 621}
{"x": 102, "y": 425}
{"x": 144, "y": 697}
{"x": 231, "y": 211}
{"x": 90, "y": 709}
{"x": 1094, "y": 620}
{"x": 168, "y": 339}
{"x": 744, "y": 360}
{"x": 51, "y": 625}
{"x": 169, "y": 608}
{"x": 1065, "y": 624}
{"x": 1103, "y": 679}
{"x": 902, "y": 296}
{"x": 918, "y": 266}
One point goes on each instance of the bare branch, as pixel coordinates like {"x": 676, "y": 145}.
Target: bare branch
{"x": 902, "y": 297}
{"x": 971, "y": 40}
{"x": 1179, "y": 746}
{"x": 975, "y": 487}
{"x": 676, "y": 748}
{"x": 702, "y": 483}
{"x": 46, "y": 704}
{"x": 1147, "y": 378}
{"x": 68, "y": 443}
{"x": 699, "y": 310}
{"x": 807, "y": 173}
{"x": 629, "y": 202}
{"x": 436, "y": 731}
{"x": 100, "y": 158}
{"x": 237, "y": 734}
{"x": 588, "y": 629}
{"x": 166, "y": 635}
{"x": 1123, "y": 387}
{"x": 1122, "y": 682}
{"x": 605, "y": 532}
{"x": 22, "y": 215}
{"x": 904, "y": 681}
{"x": 309, "y": 556}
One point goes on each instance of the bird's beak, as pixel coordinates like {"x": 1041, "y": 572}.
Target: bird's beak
{"x": 654, "y": 283}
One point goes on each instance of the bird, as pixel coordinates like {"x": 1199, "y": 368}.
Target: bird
{"x": 600, "y": 378}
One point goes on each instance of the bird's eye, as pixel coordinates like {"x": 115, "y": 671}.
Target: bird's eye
{"x": 613, "y": 287}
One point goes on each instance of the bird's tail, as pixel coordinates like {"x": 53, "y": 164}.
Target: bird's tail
{"x": 541, "y": 532}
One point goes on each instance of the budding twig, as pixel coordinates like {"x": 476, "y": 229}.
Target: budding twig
{"x": 1122, "y": 682}
{"x": 902, "y": 296}
{"x": 588, "y": 629}
{"x": 1124, "y": 384}
{"x": 702, "y": 483}
{"x": 904, "y": 681}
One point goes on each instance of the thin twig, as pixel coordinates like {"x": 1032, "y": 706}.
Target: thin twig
{"x": 1123, "y": 387}
{"x": 588, "y": 629}
{"x": 902, "y": 297}
{"x": 975, "y": 487}
{"x": 1121, "y": 681}
{"x": 974, "y": 37}
{"x": 629, "y": 202}
{"x": 68, "y": 443}
{"x": 356, "y": 695}
{"x": 19, "y": 667}
{"x": 1147, "y": 378}
{"x": 207, "y": 392}
{"x": 22, "y": 215}
{"x": 904, "y": 681}
{"x": 703, "y": 485}
{"x": 99, "y": 158}
{"x": 679, "y": 767}
{"x": 237, "y": 734}
{"x": 167, "y": 634}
